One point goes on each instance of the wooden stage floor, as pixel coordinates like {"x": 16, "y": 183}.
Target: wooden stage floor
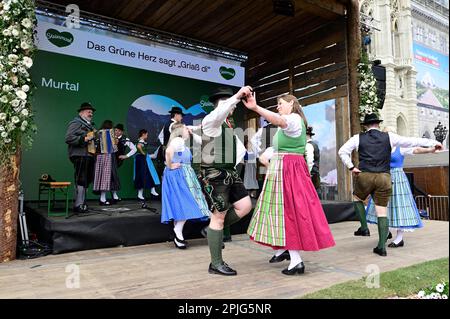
{"x": 162, "y": 271}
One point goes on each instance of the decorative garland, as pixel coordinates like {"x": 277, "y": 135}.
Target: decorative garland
{"x": 17, "y": 25}
{"x": 368, "y": 100}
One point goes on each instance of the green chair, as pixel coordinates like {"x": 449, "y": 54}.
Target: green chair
{"x": 51, "y": 189}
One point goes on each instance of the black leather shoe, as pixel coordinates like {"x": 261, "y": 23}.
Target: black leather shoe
{"x": 222, "y": 269}
{"x": 361, "y": 232}
{"x": 115, "y": 201}
{"x": 284, "y": 256}
{"x": 394, "y": 245}
{"x": 78, "y": 209}
{"x": 106, "y": 203}
{"x": 299, "y": 269}
{"x": 227, "y": 239}
{"x": 381, "y": 252}
{"x": 181, "y": 241}
{"x": 204, "y": 232}
{"x": 178, "y": 244}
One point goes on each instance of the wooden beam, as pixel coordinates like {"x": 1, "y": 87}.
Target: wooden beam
{"x": 329, "y": 5}
{"x": 340, "y": 91}
{"x": 319, "y": 8}
{"x": 353, "y": 53}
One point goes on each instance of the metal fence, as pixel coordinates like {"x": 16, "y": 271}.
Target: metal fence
{"x": 436, "y": 207}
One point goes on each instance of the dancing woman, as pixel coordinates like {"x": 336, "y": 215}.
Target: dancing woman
{"x": 182, "y": 197}
{"x": 288, "y": 215}
{"x": 402, "y": 211}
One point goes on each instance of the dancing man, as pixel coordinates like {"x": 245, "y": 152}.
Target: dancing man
{"x": 372, "y": 176}
{"x": 224, "y": 189}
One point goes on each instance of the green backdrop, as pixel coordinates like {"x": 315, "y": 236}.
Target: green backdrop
{"x": 111, "y": 89}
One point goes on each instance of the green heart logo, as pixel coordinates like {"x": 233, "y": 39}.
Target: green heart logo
{"x": 60, "y": 39}
{"x": 227, "y": 73}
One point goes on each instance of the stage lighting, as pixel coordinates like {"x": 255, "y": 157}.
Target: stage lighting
{"x": 284, "y": 7}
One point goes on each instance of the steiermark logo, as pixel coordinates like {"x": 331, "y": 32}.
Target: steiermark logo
{"x": 60, "y": 39}
{"x": 227, "y": 73}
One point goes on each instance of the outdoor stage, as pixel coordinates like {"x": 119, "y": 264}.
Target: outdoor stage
{"x": 127, "y": 224}
{"x": 162, "y": 271}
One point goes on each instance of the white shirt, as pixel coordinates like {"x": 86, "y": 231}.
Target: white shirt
{"x": 345, "y": 151}
{"x": 131, "y": 146}
{"x": 309, "y": 155}
{"x": 161, "y": 134}
{"x": 212, "y": 124}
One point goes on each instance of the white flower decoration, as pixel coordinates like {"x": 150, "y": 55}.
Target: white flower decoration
{"x": 440, "y": 287}
{"x": 2, "y": 116}
{"x": 25, "y": 88}
{"x": 21, "y": 95}
{"x": 4, "y": 134}
{"x": 15, "y": 119}
{"x": 4, "y": 99}
{"x": 15, "y": 103}
{"x": 24, "y": 112}
{"x": 26, "y": 23}
{"x": 24, "y": 45}
{"x": 28, "y": 62}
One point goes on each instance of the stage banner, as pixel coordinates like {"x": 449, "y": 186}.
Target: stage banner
{"x": 432, "y": 76}
{"x": 127, "y": 80}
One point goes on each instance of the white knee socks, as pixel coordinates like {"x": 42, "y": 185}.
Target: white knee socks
{"x": 141, "y": 194}
{"x": 115, "y": 196}
{"x": 178, "y": 229}
{"x": 295, "y": 258}
{"x": 399, "y": 237}
{"x": 103, "y": 196}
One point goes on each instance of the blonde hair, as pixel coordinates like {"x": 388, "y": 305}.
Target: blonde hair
{"x": 177, "y": 131}
{"x": 296, "y": 107}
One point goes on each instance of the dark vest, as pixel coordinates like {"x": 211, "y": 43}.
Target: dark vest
{"x": 315, "y": 168}
{"x": 374, "y": 152}
{"x": 121, "y": 148}
{"x": 219, "y": 152}
{"x": 166, "y": 132}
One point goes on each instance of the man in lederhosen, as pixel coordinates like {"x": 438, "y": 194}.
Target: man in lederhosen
{"x": 123, "y": 143}
{"x": 312, "y": 155}
{"x": 79, "y": 137}
{"x": 221, "y": 150}
{"x": 372, "y": 176}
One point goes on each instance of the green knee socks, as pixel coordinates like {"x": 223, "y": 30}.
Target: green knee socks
{"x": 215, "y": 239}
{"x": 230, "y": 218}
{"x": 360, "y": 213}
{"x": 383, "y": 230}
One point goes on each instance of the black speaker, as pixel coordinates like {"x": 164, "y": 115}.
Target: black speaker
{"x": 379, "y": 72}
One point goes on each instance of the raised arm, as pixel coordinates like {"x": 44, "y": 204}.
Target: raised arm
{"x": 406, "y": 142}
{"x": 213, "y": 121}
{"x": 270, "y": 116}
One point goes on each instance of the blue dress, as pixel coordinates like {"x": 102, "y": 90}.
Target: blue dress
{"x": 182, "y": 197}
{"x": 144, "y": 174}
{"x": 402, "y": 211}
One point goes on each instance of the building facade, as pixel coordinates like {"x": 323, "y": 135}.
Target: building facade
{"x": 410, "y": 38}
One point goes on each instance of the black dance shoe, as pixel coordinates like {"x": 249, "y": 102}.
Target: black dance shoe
{"x": 227, "y": 239}
{"x": 81, "y": 209}
{"x": 106, "y": 203}
{"x": 361, "y": 232}
{"x": 179, "y": 244}
{"x": 381, "y": 252}
{"x": 389, "y": 236}
{"x": 394, "y": 245}
{"x": 222, "y": 269}
{"x": 115, "y": 201}
{"x": 284, "y": 256}
{"x": 299, "y": 269}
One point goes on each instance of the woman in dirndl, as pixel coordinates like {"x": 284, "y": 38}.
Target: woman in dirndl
{"x": 182, "y": 197}
{"x": 288, "y": 215}
{"x": 145, "y": 175}
{"x": 250, "y": 181}
{"x": 402, "y": 211}
{"x": 106, "y": 177}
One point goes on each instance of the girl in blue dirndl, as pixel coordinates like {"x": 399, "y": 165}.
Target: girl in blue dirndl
{"x": 182, "y": 197}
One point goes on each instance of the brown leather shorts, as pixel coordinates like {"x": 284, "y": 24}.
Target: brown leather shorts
{"x": 378, "y": 185}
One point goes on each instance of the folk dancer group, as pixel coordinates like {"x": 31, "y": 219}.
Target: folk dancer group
{"x": 288, "y": 215}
